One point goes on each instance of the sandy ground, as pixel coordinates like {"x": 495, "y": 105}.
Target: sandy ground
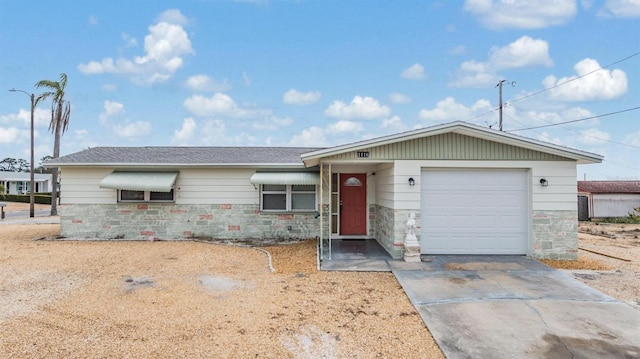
{"x": 618, "y": 277}
{"x": 85, "y": 299}
{"x": 16, "y": 206}
{"x": 80, "y": 299}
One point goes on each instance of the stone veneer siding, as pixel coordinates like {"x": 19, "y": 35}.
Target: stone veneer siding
{"x": 555, "y": 234}
{"x": 389, "y": 228}
{"x": 172, "y": 221}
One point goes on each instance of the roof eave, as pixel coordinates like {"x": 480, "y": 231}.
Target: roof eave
{"x": 177, "y": 165}
{"x": 463, "y": 128}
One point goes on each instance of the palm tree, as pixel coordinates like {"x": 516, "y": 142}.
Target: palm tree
{"x": 60, "y": 112}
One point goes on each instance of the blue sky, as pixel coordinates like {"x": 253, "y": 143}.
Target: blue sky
{"x": 322, "y": 73}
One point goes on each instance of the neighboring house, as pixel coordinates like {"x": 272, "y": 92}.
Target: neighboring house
{"x": 602, "y": 199}
{"x": 20, "y": 182}
{"x": 474, "y": 190}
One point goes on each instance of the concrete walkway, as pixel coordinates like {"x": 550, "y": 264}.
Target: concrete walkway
{"x": 516, "y": 307}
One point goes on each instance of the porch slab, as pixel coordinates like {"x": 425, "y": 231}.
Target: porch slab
{"x": 355, "y": 255}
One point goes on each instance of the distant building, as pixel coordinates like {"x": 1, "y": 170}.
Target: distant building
{"x": 19, "y": 182}
{"x": 601, "y": 199}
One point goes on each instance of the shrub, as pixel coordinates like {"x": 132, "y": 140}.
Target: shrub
{"x": 632, "y": 218}
{"x": 22, "y": 198}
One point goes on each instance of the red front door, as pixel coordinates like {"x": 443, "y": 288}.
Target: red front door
{"x": 353, "y": 204}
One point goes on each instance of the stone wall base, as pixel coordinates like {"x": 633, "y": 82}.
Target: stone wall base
{"x": 173, "y": 221}
{"x": 555, "y": 235}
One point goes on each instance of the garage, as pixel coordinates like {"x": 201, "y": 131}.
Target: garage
{"x": 474, "y": 211}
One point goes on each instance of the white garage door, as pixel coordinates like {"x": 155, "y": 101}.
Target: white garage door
{"x": 474, "y": 211}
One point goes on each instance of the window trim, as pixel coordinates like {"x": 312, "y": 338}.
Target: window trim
{"x": 147, "y": 197}
{"x": 289, "y": 196}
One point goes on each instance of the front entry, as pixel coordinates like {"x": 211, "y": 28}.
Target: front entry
{"x": 353, "y": 204}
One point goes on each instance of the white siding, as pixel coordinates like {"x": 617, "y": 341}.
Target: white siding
{"x": 193, "y": 186}
{"x": 81, "y": 186}
{"x": 614, "y": 205}
{"x": 216, "y": 186}
{"x": 384, "y": 185}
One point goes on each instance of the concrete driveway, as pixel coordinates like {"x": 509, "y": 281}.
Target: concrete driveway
{"x": 516, "y": 307}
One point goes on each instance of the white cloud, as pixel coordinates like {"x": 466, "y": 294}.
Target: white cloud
{"x": 599, "y": 85}
{"x": 11, "y": 135}
{"x": 458, "y": 50}
{"x": 413, "y": 72}
{"x": 220, "y": 104}
{"x": 246, "y": 79}
{"x": 110, "y": 117}
{"x": 449, "y": 110}
{"x": 184, "y": 135}
{"x": 393, "y": 123}
{"x": 111, "y": 109}
{"x": 521, "y": 14}
{"x": 620, "y": 8}
{"x": 272, "y": 123}
{"x": 132, "y": 130}
{"x": 41, "y": 117}
{"x": 359, "y": 108}
{"x": 312, "y": 136}
{"x": 129, "y": 40}
{"x": 593, "y": 136}
{"x": 295, "y": 97}
{"x": 109, "y": 87}
{"x": 633, "y": 139}
{"x": 165, "y": 47}
{"x": 93, "y": 20}
{"x": 203, "y": 83}
{"x": 173, "y": 16}
{"x": 399, "y": 98}
{"x": 523, "y": 52}
{"x": 345, "y": 126}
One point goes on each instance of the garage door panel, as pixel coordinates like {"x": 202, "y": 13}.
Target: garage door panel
{"x": 474, "y": 211}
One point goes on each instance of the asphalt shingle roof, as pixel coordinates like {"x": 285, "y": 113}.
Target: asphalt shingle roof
{"x": 609, "y": 186}
{"x": 184, "y": 155}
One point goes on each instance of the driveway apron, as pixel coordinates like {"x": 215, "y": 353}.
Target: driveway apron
{"x": 516, "y": 307}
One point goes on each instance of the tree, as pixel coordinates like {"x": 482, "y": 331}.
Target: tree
{"x": 60, "y": 113}
{"x": 23, "y": 166}
{"x": 9, "y": 164}
{"x": 42, "y": 169}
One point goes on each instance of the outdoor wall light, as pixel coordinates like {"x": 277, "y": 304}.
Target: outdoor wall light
{"x": 544, "y": 182}
{"x": 412, "y": 182}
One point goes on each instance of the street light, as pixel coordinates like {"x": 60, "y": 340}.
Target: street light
{"x": 31, "y": 172}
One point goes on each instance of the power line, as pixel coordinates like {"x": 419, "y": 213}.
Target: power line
{"x": 621, "y": 165}
{"x": 578, "y": 120}
{"x": 578, "y": 133}
{"x": 575, "y": 78}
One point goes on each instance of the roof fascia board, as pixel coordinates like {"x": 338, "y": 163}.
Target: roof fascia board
{"x": 178, "y": 165}
{"x": 463, "y": 129}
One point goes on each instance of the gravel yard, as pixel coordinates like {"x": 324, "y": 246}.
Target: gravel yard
{"x": 81, "y": 299}
{"x": 86, "y": 299}
{"x": 619, "y": 278}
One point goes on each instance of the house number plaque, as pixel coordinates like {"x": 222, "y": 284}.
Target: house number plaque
{"x": 362, "y": 154}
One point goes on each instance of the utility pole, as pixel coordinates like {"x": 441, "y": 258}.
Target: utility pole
{"x": 31, "y": 170}
{"x": 499, "y": 85}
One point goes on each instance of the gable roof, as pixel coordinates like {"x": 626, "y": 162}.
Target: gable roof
{"x": 183, "y": 156}
{"x": 458, "y": 127}
{"x": 609, "y": 186}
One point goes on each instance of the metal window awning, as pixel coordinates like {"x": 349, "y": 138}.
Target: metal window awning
{"x": 285, "y": 178}
{"x": 140, "y": 181}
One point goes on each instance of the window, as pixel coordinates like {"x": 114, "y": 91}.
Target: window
{"x": 280, "y": 197}
{"x": 144, "y": 196}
